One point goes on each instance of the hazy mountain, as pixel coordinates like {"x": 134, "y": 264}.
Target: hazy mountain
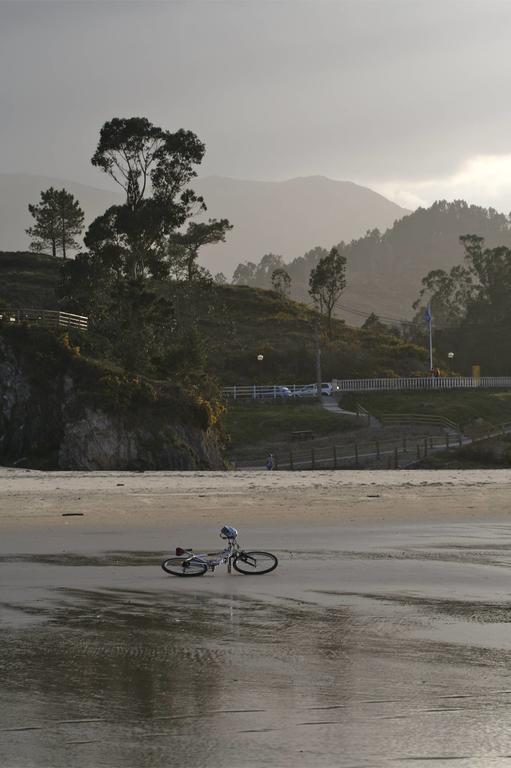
{"x": 289, "y": 217}
{"x": 385, "y": 269}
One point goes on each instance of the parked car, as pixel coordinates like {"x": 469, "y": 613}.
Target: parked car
{"x": 310, "y": 390}
{"x": 277, "y": 391}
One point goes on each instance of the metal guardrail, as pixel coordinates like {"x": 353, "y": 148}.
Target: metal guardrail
{"x": 47, "y": 317}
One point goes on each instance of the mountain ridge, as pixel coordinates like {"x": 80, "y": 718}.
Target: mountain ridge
{"x": 287, "y": 217}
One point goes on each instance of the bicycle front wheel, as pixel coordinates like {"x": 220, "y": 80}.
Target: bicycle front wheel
{"x": 179, "y": 566}
{"x": 255, "y": 563}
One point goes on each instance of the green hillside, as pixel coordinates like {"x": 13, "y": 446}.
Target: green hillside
{"x": 237, "y": 324}
{"x": 467, "y": 408}
{"x": 250, "y": 321}
{"x": 27, "y": 280}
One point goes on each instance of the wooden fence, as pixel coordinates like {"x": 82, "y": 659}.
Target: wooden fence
{"x": 383, "y": 454}
{"x": 397, "y": 453}
{"x": 47, "y": 317}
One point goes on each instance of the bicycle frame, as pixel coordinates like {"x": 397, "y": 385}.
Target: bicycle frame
{"x": 214, "y": 559}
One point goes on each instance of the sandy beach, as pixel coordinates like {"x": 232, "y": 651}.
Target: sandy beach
{"x": 32, "y": 498}
{"x": 383, "y": 635}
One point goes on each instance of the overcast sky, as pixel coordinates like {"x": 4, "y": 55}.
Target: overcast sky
{"x": 409, "y": 97}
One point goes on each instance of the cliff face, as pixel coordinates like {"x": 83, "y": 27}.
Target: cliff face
{"x": 59, "y": 412}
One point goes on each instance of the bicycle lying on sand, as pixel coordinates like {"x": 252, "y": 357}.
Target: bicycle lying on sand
{"x": 253, "y": 563}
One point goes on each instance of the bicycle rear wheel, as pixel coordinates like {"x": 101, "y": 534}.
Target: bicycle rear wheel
{"x": 179, "y": 566}
{"x": 255, "y": 563}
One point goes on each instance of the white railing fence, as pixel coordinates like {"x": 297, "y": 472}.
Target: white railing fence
{"x": 283, "y": 391}
{"x": 431, "y": 383}
{"x": 265, "y": 392}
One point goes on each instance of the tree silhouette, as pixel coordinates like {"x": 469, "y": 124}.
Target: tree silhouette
{"x": 184, "y": 246}
{"x": 58, "y": 222}
{"x": 326, "y": 283}
{"x": 154, "y": 168}
{"x": 281, "y": 282}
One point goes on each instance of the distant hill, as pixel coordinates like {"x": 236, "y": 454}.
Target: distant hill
{"x": 385, "y": 270}
{"x": 287, "y": 217}
{"x": 388, "y": 249}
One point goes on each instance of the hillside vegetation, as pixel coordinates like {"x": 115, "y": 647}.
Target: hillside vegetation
{"x": 28, "y": 280}
{"x": 62, "y": 410}
{"x": 249, "y": 322}
{"x": 237, "y": 323}
{"x": 256, "y": 429}
{"x": 385, "y": 268}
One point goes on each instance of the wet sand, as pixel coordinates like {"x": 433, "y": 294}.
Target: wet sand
{"x": 382, "y": 638}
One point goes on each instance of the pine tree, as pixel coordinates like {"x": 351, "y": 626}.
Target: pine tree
{"x": 58, "y": 221}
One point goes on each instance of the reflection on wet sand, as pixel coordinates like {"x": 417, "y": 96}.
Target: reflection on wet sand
{"x": 382, "y": 638}
{"x": 138, "y": 678}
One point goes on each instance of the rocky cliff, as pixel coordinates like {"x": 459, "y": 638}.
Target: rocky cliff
{"x": 58, "y": 411}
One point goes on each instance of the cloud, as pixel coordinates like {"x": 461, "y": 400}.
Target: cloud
{"x": 482, "y": 179}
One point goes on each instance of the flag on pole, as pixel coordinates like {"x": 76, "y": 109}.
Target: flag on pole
{"x": 428, "y": 317}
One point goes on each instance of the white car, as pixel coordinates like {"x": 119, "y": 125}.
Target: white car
{"x": 310, "y": 390}
{"x": 276, "y": 391}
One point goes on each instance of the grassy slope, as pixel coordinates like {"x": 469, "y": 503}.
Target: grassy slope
{"x": 258, "y": 428}
{"x": 462, "y": 407}
{"x": 251, "y": 321}
{"x": 239, "y": 323}
{"x": 494, "y": 453}
{"x": 27, "y": 280}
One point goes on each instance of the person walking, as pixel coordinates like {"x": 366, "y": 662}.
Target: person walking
{"x": 269, "y": 461}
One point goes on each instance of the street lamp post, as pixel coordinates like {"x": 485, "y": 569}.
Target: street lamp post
{"x": 450, "y": 355}
{"x": 318, "y": 358}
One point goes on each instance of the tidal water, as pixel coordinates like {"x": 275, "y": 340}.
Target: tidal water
{"x": 373, "y": 649}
